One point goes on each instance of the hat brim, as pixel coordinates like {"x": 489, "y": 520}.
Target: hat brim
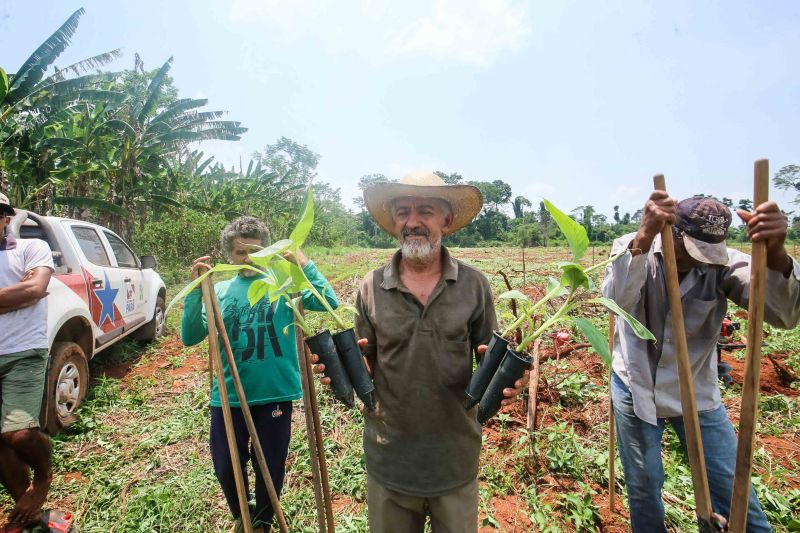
{"x": 465, "y": 200}
{"x": 713, "y": 253}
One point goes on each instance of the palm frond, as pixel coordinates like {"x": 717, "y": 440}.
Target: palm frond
{"x": 33, "y": 69}
{"x": 178, "y": 107}
{"x": 154, "y": 90}
{"x": 86, "y": 65}
{"x": 91, "y": 203}
{"x": 166, "y": 200}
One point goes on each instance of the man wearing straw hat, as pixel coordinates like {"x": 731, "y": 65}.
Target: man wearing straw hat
{"x": 422, "y": 320}
{"x": 644, "y": 384}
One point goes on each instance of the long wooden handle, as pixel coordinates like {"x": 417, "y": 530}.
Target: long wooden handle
{"x": 752, "y": 364}
{"x": 612, "y": 479}
{"x": 248, "y": 417}
{"x": 312, "y": 395}
{"x": 311, "y": 435}
{"x": 694, "y": 443}
{"x": 216, "y": 359}
{"x": 323, "y": 465}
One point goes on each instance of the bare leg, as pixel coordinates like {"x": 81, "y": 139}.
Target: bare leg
{"x": 15, "y": 475}
{"x": 33, "y": 448}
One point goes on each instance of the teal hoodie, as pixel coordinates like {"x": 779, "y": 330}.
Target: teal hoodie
{"x": 266, "y": 358}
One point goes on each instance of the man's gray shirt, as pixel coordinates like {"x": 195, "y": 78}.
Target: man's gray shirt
{"x": 649, "y": 369}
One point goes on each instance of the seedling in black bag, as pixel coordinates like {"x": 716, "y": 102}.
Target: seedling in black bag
{"x": 500, "y": 368}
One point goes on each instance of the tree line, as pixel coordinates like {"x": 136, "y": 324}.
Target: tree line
{"x": 121, "y": 148}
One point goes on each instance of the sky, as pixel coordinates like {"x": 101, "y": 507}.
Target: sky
{"x": 577, "y": 102}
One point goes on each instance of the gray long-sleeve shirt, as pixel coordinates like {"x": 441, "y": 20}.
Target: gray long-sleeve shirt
{"x": 649, "y": 369}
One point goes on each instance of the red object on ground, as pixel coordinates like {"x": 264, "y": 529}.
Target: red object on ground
{"x": 560, "y": 338}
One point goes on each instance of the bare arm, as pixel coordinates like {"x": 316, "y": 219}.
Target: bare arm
{"x": 27, "y": 292}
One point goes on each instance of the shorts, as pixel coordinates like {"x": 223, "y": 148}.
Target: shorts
{"x": 22, "y": 377}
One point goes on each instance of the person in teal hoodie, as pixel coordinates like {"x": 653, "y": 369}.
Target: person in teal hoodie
{"x": 265, "y": 357}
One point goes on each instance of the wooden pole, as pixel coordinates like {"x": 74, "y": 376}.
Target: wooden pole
{"x": 213, "y": 348}
{"x": 752, "y": 364}
{"x": 248, "y": 418}
{"x": 533, "y": 387}
{"x": 311, "y": 432}
{"x": 323, "y": 465}
{"x": 694, "y": 444}
{"x": 612, "y": 478}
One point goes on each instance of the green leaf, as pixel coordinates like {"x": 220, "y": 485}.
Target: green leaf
{"x": 91, "y": 203}
{"x": 598, "y": 341}
{"x": 573, "y": 232}
{"x": 573, "y": 276}
{"x": 637, "y": 327}
{"x": 514, "y": 295}
{"x": 287, "y": 271}
{"x": 257, "y": 291}
{"x": 264, "y": 256}
{"x": 552, "y": 283}
{"x": 223, "y": 267}
{"x": 3, "y": 85}
{"x": 304, "y": 224}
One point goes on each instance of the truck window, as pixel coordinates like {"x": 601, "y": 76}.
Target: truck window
{"x": 91, "y": 245}
{"x": 125, "y": 258}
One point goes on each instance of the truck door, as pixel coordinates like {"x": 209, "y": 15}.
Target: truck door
{"x": 103, "y": 284}
{"x": 128, "y": 270}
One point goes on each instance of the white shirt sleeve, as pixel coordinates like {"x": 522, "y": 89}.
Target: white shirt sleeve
{"x": 37, "y": 254}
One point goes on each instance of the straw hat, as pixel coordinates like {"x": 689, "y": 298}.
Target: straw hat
{"x": 465, "y": 200}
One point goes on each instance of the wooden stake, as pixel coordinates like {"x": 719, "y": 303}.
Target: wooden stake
{"x": 612, "y": 479}
{"x": 533, "y": 387}
{"x": 323, "y": 465}
{"x": 752, "y": 366}
{"x": 213, "y": 348}
{"x": 311, "y": 433}
{"x": 694, "y": 444}
{"x": 248, "y": 418}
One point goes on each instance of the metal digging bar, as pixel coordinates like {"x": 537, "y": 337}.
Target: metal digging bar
{"x": 216, "y": 359}
{"x": 752, "y": 364}
{"x": 248, "y": 417}
{"x": 707, "y": 519}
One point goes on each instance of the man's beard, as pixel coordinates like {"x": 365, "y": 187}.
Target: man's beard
{"x": 418, "y": 249}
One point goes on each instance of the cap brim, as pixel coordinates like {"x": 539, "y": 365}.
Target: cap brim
{"x": 706, "y": 252}
{"x": 465, "y": 200}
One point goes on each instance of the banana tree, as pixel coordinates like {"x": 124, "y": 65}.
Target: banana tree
{"x": 503, "y": 363}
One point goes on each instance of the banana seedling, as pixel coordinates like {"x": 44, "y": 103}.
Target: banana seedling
{"x": 339, "y": 352}
{"x": 503, "y": 364}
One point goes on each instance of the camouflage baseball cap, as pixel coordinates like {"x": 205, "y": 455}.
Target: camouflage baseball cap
{"x": 5, "y": 206}
{"x": 704, "y": 222}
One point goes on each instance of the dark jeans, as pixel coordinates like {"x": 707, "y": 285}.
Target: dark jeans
{"x": 273, "y": 423}
{"x": 640, "y": 451}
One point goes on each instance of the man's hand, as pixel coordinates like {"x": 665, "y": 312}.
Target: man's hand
{"x": 199, "y": 265}
{"x": 298, "y": 258}
{"x": 767, "y": 223}
{"x": 659, "y": 210}
{"x": 319, "y": 368}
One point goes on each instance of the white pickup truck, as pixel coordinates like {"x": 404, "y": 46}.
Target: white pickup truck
{"x": 100, "y": 292}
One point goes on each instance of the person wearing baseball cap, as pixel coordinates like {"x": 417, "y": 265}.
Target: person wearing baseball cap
{"x": 644, "y": 384}
{"x": 422, "y": 319}
{"x": 5, "y": 206}
{"x": 25, "y": 269}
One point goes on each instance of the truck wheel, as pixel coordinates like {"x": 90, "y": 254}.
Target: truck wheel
{"x": 65, "y": 387}
{"x": 156, "y": 327}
